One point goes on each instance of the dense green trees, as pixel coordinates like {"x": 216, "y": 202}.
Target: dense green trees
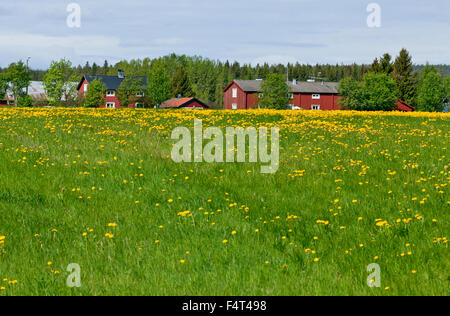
{"x": 426, "y": 94}
{"x": 4, "y": 84}
{"x": 376, "y": 92}
{"x": 129, "y": 90}
{"x": 431, "y": 94}
{"x": 275, "y": 92}
{"x": 206, "y": 78}
{"x": 447, "y": 87}
{"x": 95, "y": 95}
{"x": 385, "y": 65}
{"x": 159, "y": 83}
{"x": 60, "y": 82}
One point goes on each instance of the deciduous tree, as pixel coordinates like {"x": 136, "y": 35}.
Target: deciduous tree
{"x": 275, "y": 92}
{"x": 159, "y": 84}
{"x": 60, "y": 81}
{"x": 375, "y": 93}
{"x": 129, "y": 89}
{"x": 19, "y": 79}
{"x": 431, "y": 92}
{"x": 95, "y": 96}
{"x": 4, "y": 85}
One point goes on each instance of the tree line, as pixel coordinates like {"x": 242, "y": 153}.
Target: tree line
{"x": 389, "y": 81}
{"x": 195, "y": 76}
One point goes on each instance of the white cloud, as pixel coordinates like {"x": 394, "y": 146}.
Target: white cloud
{"x": 245, "y": 30}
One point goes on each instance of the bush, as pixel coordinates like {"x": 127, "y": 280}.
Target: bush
{"x": 25, "y": 100}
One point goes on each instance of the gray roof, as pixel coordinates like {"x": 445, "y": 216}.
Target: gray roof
{"x": 300, "y": 87}
{"x": 112, "y": 82}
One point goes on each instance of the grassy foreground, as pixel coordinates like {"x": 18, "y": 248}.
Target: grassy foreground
{"x": 98, "y": 188}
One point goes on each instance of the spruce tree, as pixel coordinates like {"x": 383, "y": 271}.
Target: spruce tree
{"x": 375, "y": 67}
{"x": 386, "y": 64}
{"x": 180, "y": 84}
{"x": 404, "y": 77}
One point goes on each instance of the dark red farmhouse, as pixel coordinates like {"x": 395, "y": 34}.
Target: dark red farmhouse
{"x": 112, "y": 84}
{"x": 244, "y": 94}
{"x": 183, "y": 103}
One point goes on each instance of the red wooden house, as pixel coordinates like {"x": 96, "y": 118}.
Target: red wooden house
{"x": 183, "y": 103}
{"x": 245, "y": 94}
{"x": 112, "y": 84}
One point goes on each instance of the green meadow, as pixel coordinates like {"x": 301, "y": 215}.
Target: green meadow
{"x": 98, "y": 188}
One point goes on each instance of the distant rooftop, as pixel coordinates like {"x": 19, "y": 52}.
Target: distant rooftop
{"x": 299, "y": 87}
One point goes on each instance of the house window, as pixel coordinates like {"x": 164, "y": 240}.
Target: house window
{"x": 234, "y": 92}
{"x": 316, "y": 96}
{"x": 140, "y": 105}
{"x": 140, "y": 94}
{"x": 234, "y": 106}
{"x": 110, "y": 105}
{"x": 260, "y": 95}
{"x": 291, "y": 96}
{"x": 315, "y": 107}
{"x": 85, "y": 88}
{"x": 110, "y": 93}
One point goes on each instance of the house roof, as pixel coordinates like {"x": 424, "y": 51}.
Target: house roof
{"x": 180, "y": 103}
{"x": 299, "y": 87}
{"x": 111, "y": 82}
{"x": 403, "y": 106}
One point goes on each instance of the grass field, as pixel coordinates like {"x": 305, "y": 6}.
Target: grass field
{"x": 98, "y": 188}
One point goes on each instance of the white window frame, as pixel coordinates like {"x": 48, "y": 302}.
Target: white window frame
{"x": 234, "y": 106}
{"x": 85, "y": 88}
{"x": 235, "y": 93}
{"x": 141, "y": 94}
{"x": 111, "y": 105}
{"x": 140, "y": 105}
{"x": 316, "y": 96}
{"x": 290, "y": 96}
{"x": 260, "y": 95}
{"x": 110, "y": 93}
{"x": 315, "y": 107}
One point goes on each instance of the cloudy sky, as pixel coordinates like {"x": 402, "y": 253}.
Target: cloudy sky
{"x": 250, "y": 31}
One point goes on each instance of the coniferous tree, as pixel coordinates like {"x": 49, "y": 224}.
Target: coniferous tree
{"x": 375, "y": 67}
{"x": 386, "y": 65}
{"x": 180, "y": 84}
{"x": 404, "y": 77}
{"x": 105, "y": 68}
{"x": 87, "y": 69}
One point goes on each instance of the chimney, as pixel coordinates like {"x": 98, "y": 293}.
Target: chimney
{"x": 121, "y": 74}
{"x": 179, "y": 97}
{"x": 294, "y": 82}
